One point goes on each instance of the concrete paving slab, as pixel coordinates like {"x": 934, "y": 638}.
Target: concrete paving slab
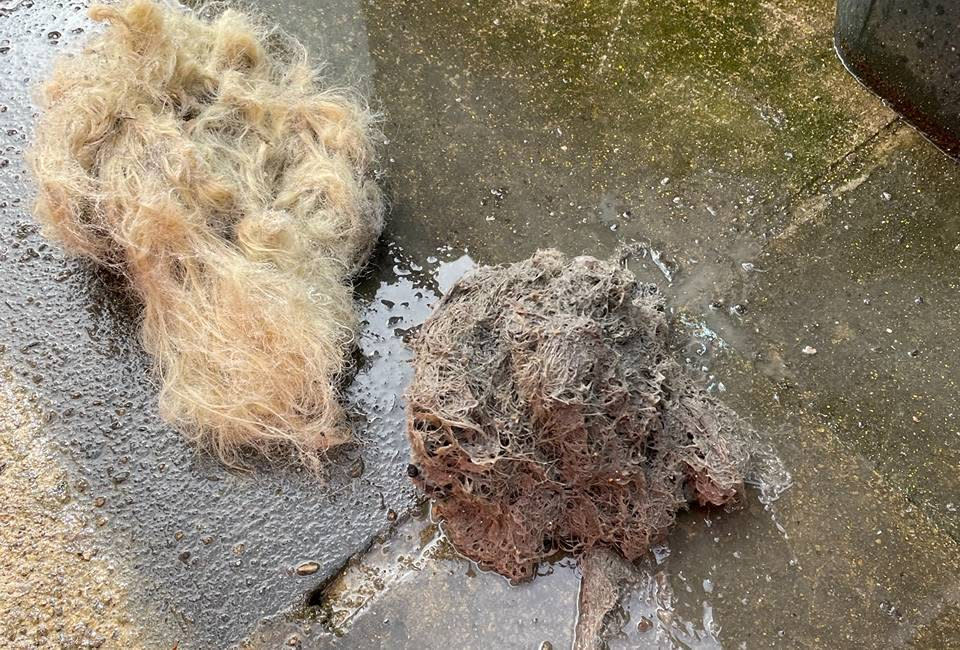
{"x": 212, "y": 551}
{"x": 868, "y": 277}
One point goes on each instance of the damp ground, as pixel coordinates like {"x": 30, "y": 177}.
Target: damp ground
{"x": 806, "y": 237}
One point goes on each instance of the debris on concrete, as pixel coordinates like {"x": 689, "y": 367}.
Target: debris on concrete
{"x": 201, "y": 159}
{"x": 606, "y": 578}
{"x": 547, "y": 414}
{"x": 306, "y": 568}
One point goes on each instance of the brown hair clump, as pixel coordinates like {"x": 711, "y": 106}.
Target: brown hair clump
{"x": 200, "y": 158}
{"x": 547, "y": 414}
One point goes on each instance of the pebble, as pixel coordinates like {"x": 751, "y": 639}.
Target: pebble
{"x": 809, "y": 350}
{"x": 307, "y": 568}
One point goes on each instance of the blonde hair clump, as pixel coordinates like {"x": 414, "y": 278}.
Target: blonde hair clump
{"x": 200, "y": 158}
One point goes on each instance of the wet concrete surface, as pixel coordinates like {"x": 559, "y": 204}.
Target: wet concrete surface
{"x": 789, "y": 209}
{"x": 212, "y": 551}
{"x": 387, "y": 599}
{"x": 880, "y": 305}
{"x": 56, "y": 590}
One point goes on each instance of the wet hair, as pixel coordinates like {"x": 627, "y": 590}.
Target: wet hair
{"x": 547, "y": 414}
{"x": 201, "y": 157}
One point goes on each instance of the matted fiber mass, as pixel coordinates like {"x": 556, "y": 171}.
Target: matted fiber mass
{"x": 201, "y": 158}
{"x": 547, "y": 414}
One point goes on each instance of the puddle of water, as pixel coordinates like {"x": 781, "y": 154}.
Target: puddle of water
{"x": 447, "y": 274}
{"x": 649, "y": 618}
{"x": 404, "y": 552}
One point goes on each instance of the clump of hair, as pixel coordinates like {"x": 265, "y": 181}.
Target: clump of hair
{"x": 201, "y": 158}
{"x": 547, "y": 414}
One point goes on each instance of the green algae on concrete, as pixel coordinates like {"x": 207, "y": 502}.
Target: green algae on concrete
{"x": 567, "y": 107}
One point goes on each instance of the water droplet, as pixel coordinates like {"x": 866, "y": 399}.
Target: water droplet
{"x": 54, "y": 36}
